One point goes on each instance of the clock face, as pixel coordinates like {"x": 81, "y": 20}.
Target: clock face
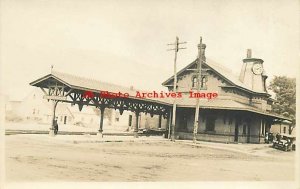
{"x": 257, "y": 69}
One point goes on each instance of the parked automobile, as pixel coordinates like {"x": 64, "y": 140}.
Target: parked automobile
{"x": 148, "y": 132}
{"x": 285, "y": 142}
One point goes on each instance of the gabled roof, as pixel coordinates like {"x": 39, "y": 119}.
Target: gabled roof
{"x": 86, "y": 84}
{"x": 83, "y": 83}
{"x": 223, "y": 72}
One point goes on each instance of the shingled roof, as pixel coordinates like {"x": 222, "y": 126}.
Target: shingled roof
{"x": 87, "y": 84}
{"x": 223, "y": 104}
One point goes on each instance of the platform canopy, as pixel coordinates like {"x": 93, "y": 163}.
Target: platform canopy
{"x": 83, "y": 91}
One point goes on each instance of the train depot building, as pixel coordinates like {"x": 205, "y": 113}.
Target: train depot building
{"x": 238, "y": 110}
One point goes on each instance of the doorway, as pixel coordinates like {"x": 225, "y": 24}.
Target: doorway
{"x": 181, "y": 118}
{"x": 248, "y": 133}
{"x": 236, "y": 132}
{"x": 184, "y": 122}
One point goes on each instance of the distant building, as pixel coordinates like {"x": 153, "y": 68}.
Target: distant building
{"x": 283, "y": 127}
{"x": 34, "y": 108}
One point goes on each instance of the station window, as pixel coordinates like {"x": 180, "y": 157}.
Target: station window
{"x": 203, "y": 82}
{"x": 224, "y": 120}
{"x": 284, "y": 129}
{"x": 210, "y": 124}
{"x": 194, "y": 82}
{"x": 230, "y": 121}
{"x": 130, "y": 120}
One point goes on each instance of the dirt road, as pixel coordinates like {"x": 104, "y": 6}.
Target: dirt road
{"x": 43, "y": 158}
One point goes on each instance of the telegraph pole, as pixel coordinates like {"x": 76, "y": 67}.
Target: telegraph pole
{"x": 176, "y": 49}
{"x": 199, "y": 68}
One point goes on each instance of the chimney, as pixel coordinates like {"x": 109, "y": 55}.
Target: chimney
{"x": 249, "y": 53}
{"x": 203, "y": 52}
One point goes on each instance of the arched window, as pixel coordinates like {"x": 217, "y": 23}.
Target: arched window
{"x": 194, "y": 82}
{"x": 203, "y": 82}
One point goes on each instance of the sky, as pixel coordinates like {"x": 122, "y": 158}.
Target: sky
{"x": 124, "y": 42}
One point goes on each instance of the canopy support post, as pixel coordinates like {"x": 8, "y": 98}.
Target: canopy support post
{"x": 135, "y": 131}
{"x": 52, "y": 129}
{"x": 100, "y": 131}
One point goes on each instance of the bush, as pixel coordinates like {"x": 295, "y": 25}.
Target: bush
{"x": 79, "y": 123}
{"x": 13, "y": 118}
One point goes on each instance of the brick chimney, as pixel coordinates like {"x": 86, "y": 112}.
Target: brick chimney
{"x": 249, "y": 53}
{"x": 203, "y": 52}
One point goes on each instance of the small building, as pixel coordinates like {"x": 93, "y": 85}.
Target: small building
{"x": 284, "y": 127}
{"x": 34, "y": 108}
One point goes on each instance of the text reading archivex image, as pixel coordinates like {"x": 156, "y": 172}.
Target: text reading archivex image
{"x": 154, "y": 94}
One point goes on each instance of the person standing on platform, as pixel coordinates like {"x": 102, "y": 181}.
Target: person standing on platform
{"x": 55, "y": 126}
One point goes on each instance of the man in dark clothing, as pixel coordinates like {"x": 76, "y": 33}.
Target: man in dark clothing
{"x": 55, "y": 126}
{"x": 278, "y": 137}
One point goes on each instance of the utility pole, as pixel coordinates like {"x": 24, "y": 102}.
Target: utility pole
{"x": 176, "y": 49}
{"x": 199, "y": 68}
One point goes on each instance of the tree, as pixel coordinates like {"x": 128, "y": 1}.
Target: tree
{"x": 107, "y": 113}
{"x": 285, "y": 96}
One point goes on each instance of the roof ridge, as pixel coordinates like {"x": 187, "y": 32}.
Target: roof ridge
{"x": 87, "y": 78}
{"x": 211, "y": 61}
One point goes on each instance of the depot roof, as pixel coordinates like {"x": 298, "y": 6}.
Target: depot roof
{"x": 86, "y": 84}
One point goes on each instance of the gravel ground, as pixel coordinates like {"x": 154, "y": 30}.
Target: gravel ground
{"x": 87, "y": 158}
{"x": 61, "y": 127}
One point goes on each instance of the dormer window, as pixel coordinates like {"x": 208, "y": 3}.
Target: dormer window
{"x": 203, "y": 82}
{"x": 194, "y": 82}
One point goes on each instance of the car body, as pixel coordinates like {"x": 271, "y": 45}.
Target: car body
{"x": 152, "y": 131}
{"x": 285, "y": 142}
